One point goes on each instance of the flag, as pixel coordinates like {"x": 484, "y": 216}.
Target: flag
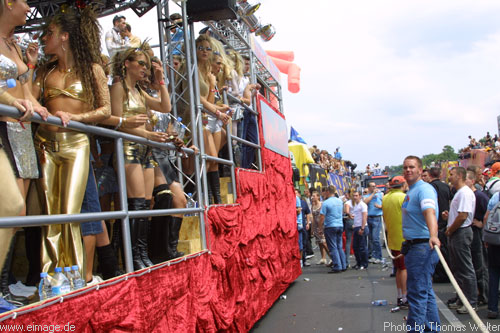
{"x": 295, "y": 136}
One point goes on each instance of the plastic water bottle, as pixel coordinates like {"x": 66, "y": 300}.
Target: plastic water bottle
{"x": 60, "y": 283}
{"x": 7, "y": 84}
{"x": 45, "y": 287}
{"x": 78, "y": 282}
{"x": 69, "y": 276}
{"x": 8, "y": 68}
{"x": 379, "y": 302}
{"x": 190, "y": 203}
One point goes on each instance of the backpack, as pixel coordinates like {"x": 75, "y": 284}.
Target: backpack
{"x": 491, "y": 231}
{"x": 487, "y": 189}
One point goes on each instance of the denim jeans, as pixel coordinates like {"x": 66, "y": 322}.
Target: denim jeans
{"x": 333, "y": 236}
{"x": 90, "y": 204}
{"x": 420, "y": 262}
{"x": 348, "y": 228}
{"x": 374, "y": 249}
{"x": 359, "y": 245}
{"x": 494, "y": 277}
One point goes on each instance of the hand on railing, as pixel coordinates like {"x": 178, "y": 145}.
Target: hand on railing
{"x": 156, "y": 136}
{"x": 134, "y": 121}
{"x": 65, "y": 117}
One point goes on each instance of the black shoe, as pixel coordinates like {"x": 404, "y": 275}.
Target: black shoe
{"x": 108, "y": 262}
{"x": 334, "y": 271}
{"x": 402, "y": 305}
{"x": 492, "y": 314}
{"x": 136, "y": 204}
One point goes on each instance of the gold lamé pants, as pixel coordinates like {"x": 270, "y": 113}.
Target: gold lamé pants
{"x": 11, "y": 203}
{"x": 65, "y": 167}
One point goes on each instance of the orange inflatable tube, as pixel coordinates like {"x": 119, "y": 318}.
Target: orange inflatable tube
{"x": 289, "y": 68}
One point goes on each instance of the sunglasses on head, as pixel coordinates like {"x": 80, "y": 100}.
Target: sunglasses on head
{"x": 201, "y": 48}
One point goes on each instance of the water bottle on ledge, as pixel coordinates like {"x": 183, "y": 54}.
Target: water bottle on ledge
{"x": 69, "y": 276}
{"x": 45, "y": 287}
{"x": 78, "y": 282}
{"x": 60, "y": 284}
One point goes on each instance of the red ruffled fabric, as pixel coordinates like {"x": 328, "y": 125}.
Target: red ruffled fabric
{"x": 254, "y": 257}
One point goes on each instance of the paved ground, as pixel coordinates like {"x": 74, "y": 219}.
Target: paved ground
{"x": 321, "y": 302}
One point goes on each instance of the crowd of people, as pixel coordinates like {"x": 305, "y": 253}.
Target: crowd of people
{"x": 488, "y": 143}
{"x": 332, "y": 162}
{"x": 72, "y": 172}
{"x": 419, "y": 210}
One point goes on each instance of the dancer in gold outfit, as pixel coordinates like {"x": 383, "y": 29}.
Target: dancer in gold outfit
{"x": 127, "y": 100}
{"x": 73, "y": 87}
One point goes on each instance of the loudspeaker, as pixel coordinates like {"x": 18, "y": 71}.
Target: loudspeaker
{"x": 211, "y": 10}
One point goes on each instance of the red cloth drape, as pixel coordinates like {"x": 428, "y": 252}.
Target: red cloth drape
{"x": 254, "y": 257}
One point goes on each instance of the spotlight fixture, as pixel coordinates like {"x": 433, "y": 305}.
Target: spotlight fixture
{"x": 266, "y": 32}
{"x": 249, "y": 17}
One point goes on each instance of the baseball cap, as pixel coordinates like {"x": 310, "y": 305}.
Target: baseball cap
{"x": 495, "y": 168}
{"x": 397, "y": 181}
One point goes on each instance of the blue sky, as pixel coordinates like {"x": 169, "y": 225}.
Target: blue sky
{"x": 385, "y": 79}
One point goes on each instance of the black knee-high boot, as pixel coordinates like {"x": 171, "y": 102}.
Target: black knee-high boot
{"x": 4, "y": 277}
{"x": 142, "y": 239}
{"x": 136, "y": 204}
{"x": 159, "y": 233}
{"x": 214, "y": 183}
{"x": 175, "y": 227}
{"x": 108, "y": 263}
{"x": 116, "y": 239}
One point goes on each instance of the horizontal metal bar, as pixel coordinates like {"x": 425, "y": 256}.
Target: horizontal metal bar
{"x": 12, "y": 112}
{"x": 268, "y": 87}
{"x": 35, "y": 220}
{"x": 218, "y": 160}
{"x": 235, "y": 99}
{"x": 163, "y": 212}
{"x": 245, "y": 142}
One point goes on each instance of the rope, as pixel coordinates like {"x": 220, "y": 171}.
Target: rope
{"x": 385, "y": 241}
{"x": 460, "y": 294}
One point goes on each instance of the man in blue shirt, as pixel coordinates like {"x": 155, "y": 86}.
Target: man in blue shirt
{"x": 420, "y": 231}
{"x": 331, "y": 218}
{"x": 374, "y": 201}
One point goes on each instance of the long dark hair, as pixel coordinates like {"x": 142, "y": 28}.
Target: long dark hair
{"x": 85, "y": 44}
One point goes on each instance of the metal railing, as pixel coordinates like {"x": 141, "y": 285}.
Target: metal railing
{"x": 124, "y": 214}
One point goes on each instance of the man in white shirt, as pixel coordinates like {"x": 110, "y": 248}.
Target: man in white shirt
{"x": 460, "y": 236}
{"x": 114, "y": 41}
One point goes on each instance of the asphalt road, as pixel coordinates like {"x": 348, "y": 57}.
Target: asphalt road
{"x": 322, "y": 302}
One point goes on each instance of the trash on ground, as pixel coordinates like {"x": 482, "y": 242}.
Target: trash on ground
{"x": 396, "y": 309}
{"x": 379, "y": 302}
{"x": 307, "y": 279}
{"x": 283, "y": 296}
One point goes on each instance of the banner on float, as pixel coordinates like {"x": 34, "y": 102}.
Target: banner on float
{"x": 340, "y": 182}
{"x": 317, "y": 176}
{"x": 274, "y": 129}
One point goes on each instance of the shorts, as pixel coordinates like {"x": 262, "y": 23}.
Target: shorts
{"x": 398, "y": 263}
{"x": 166, "y": 162}
{"x": 91, "y": 204}
{"x": 212, "y": 124}
{"x": 137, "y": 153}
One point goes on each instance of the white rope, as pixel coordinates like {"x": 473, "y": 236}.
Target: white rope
{"x": 460, "y": 294}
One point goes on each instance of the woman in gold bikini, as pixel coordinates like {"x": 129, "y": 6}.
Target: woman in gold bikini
{"x": 72, "y": 87}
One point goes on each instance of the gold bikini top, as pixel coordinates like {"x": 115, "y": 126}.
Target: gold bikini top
{"x": 74, "y": 90}
{"x": 134, "y": 104}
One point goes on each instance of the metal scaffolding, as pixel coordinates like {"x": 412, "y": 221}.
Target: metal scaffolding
{"x": 184, "y": 93}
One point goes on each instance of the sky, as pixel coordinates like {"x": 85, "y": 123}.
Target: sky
{"x": 384, "y": 79}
